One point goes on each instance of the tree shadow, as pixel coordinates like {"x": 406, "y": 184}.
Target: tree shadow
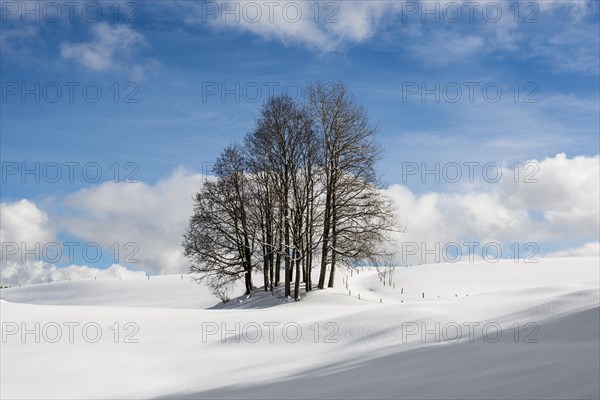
{"x": 258, "y": 299}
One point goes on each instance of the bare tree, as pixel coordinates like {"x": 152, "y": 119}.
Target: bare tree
{"x": 264, "y": 207}
{"x": 278, "y": 148}
{"x": 219, "y": 240}
{"x": 385, "y": 265}
{"x": 303, "y": 182}
{"x": 364, "y": 220}
{"x": 356, "y": 214}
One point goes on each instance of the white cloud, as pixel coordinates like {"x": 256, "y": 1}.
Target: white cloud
{"x": 30, "y": 272}
{"x": 13, "y": 42}
{"x": 324, "y": 26}
{"x": 112, "y": 48}
{"x": 332, "y": 26}
{"x": 573, "y": 48}
{"x": 152, "y": 216}
{"x": 24, "y": 222}
{"x": 562, "y": 206}
{"x": 587, "y": 250}
{"x": 567, "y": 194}
{"x": 444, "y": 47}
{"x": 23, "y": 226}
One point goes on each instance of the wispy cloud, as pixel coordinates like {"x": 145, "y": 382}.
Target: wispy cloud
{"x": 111, "y": 48}
{"x": 318, "y": 26}
{"x": 14, "y": 39}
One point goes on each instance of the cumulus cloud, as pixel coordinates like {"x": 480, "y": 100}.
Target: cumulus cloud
{"x": 587, "y": 250}
{"x": 24, "y": 226}
{"x": 152, "y": 216}
{"x": 30, "y": 272}
{"x": 559, "y": 207}
{"x": 562, "y": 205}
{"x": 24, "y": 222}
{"x": 112, "y": 48}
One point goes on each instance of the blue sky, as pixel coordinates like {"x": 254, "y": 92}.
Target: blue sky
{"x": 168, "y": 57}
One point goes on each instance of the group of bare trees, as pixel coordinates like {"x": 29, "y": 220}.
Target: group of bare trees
{"x": 301, "y": 190}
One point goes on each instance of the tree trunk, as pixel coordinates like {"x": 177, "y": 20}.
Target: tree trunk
{"x": 266, "y": 270}
{"x": 326, "y": 228}
{"x": 334, "y": 240}
{"x": 286, "y": 229}
{"x": 248, "y": 281}
{"x": 303, "y": 266}
{"x": 279, "y": 251}
{"x": 271, "y": 269}
{"x": 297, "y": 281}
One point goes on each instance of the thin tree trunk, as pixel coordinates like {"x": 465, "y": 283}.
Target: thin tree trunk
{"x": 303, "y": 266}
{"x": 271, "y": 269}
{"x": 326, "y": 228}
{"x": 287, "y": 252}
{"x": 266, "y": 269}
{"x": 334, "y": 240}
{"x": 279, "y": 251}
{"x": 297, "y": 281}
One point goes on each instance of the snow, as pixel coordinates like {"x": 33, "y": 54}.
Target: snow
{"x": 372, "y": 355}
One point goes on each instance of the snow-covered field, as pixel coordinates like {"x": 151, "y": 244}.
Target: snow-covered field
{"x": 465, "y": 330}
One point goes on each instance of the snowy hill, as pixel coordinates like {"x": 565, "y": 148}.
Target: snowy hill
{"x": 465, "y": 330}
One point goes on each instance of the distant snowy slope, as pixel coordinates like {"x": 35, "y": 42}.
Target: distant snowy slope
{"x": 169, "y": 291}
{"x": 444, "y": 280}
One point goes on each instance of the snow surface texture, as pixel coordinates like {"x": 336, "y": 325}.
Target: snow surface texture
{"x": 422, "y": 339}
